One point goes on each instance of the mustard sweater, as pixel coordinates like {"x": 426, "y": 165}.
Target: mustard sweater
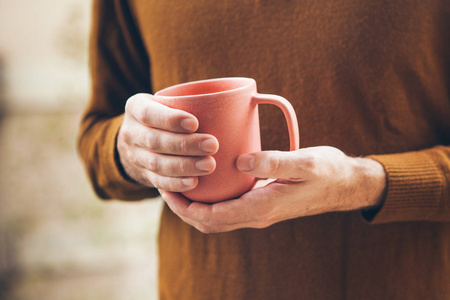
{"x": 368, "y": 77}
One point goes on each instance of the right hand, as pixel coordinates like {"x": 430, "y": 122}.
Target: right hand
{"x": 158, "y": 146}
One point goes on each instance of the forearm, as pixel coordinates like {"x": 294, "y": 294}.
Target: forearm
{"x": 119, "y": 67}
{"x": 371, "y": 180}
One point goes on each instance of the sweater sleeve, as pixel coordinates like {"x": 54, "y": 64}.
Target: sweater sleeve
{"x": 418, "y": 187}
{"x": 120, "y": 68}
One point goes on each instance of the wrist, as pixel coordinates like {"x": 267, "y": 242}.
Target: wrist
{"x": 372, "y": 181}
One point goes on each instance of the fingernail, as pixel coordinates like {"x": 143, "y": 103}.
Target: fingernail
{"x": 188, "y": 181}
{"x": 246, "y": 162}
{"x": 205, "y": 165}
{"x": 189, "y": 124}
{"x": 208, "y": 145}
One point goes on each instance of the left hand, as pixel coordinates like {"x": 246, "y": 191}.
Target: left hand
{"x": 309, "y": 181}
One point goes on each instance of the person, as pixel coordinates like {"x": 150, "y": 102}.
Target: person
{"x": 366, "y": 212}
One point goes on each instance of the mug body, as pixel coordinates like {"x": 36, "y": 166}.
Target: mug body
{"x": 224, "y": 109}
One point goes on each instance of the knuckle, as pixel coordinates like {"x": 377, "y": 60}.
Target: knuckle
{"x": 140, "y": 161}
{"x": 152, "y": 141}
{"x": 177, "y": 145}
{"x": 182, "y": 146}
{"x": 126, "y": 135}
{"x": 170, "y": 118}
{"x": 145, "y": 178}
{"x": 167, "y": 121}
{"x": 131, "y": 156}
{"x": 132, "y": 103}
{"x": 180, "y": 167}
{"x": 171, "y": 146}
{"x": 172, "y": 167}
{"x": 164, "y": 119}
{"x": 272, "y": 166}
{"x": 143, "y": 114}
{"x": 153, "y": 164}
{"x": 310, "y": 162}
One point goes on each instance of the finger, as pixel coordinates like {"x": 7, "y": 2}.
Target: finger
{"x": 176, "y": 202}
{"x": 258, "y": 208}
{"x": 195, "y": 214}
{"x": 251, "y": 210}
{"x": 275, "y": 164}
{"x": 172, "y": 184}
{"x": 219, "y": 217}
{"x": 147, "y": 111}
{"x": 165, "y": 142}
{"x": 180, "y": 206}
{"x": 174, "y": 166}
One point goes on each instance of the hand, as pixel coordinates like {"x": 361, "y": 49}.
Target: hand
{"x": 157, "y": 146}
{"x": 308, "y": 181}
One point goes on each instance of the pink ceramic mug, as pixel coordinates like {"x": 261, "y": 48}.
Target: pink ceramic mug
{"x": 227, "y": 108}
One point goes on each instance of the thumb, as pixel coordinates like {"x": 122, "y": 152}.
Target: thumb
{"x": 268, "y": 164}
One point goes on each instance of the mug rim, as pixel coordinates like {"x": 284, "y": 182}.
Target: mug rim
{"x": 248, "y": 82}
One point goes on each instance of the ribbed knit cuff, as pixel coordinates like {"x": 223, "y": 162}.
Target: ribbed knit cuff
{"x": 414, "y": 191}
{"x": 121, "y": 186}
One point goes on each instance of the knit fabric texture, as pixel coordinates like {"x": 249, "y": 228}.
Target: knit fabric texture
{"x": 371, "y": 78}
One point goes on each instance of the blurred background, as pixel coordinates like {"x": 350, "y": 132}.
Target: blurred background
{"x": 57, "y": 240}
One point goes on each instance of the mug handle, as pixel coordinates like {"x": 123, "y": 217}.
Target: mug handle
{"x": 289, "y": 114}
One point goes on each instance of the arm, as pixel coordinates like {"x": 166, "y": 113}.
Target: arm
{"x": 418, "y": 186}
{"x": 119, "y": 68}
{"x": 129, "y": 143}
{"x": 403, "y": 187}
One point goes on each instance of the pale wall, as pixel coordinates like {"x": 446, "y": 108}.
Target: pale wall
{"x": 43, "y": 54}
